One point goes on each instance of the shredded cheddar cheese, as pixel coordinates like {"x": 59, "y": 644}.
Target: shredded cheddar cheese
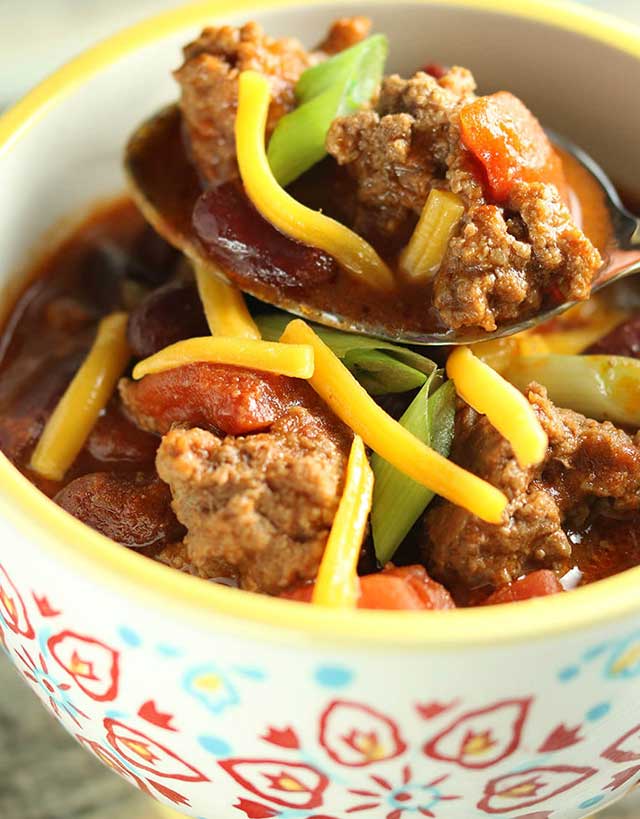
{"x": 268, "y": 356}
{"x": 337, "y": 582}
{"x": 287, "y": 214}
{"x": 353, "y": 405}
{"x": 224, "y": 306}
{"x": 504, "y": 405}
{"x": 86, "y": 396}
{"x": 428, "y": 244}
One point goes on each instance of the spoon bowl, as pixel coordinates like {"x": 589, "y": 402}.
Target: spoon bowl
{"x": 165, "y": 186}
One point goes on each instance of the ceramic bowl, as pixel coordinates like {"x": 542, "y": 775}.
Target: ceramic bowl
{"x": 225, "y": 704}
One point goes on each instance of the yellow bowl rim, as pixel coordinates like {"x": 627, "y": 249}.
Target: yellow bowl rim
{"x": 204, "y": 604}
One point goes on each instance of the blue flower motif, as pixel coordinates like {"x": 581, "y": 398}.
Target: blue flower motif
{"x": 211, "y": 687}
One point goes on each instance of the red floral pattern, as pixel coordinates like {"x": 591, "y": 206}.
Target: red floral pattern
{"x": 92, "y": 665}
{"x": 284, "y": 738}
{"x": 619, "y": 779}
{"x": 109, "y": 759}
{"x": 289, "y": 784}
{"x": 626, "y": 749}
{"x": 148, "y": 711}
{"x": 530, "y": 787}
{"x": 44, "y": 606}
{"x": 12, "y": 608}
{"x": 147, "y": 755}
{"x": 481, "y": 738}
{"x": 352, "y": 735}
{"x": 561, "y": 738}
{"x": 356, "y": 735}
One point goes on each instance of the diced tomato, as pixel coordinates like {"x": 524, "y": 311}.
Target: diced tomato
{"x": 408, "y": 587}
{"x": 536, "y": 584}
{"x": 503, "y": 134}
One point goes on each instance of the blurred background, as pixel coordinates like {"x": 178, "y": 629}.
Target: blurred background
{"x": 43, "y": 773}
{"x": 36, "y": 36}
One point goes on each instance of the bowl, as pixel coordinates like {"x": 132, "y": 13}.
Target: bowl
{"x": 222, "y": 703}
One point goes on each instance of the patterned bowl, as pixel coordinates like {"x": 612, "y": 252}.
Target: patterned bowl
{"x": 225, "y": 704}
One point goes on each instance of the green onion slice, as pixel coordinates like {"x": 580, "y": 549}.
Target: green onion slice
{"x": 331, "y": 89}
{"x": 604, "y": 387}
{"x": 399, "y": 501}
{"x": 380, "y": 366}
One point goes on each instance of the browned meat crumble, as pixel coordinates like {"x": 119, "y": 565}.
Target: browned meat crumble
{"x": 344, "y": 33}
{"x": 176, "y": 556}
{"x": 503, "y": 260}
{"x": 590, "y": 468}
{"x": 209, "y": 83}
{"x": 260, "y": 507}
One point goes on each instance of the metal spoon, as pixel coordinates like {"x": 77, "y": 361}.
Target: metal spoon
{"x": 165, "y": 187}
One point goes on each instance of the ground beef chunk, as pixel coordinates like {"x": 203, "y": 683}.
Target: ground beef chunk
{"x": 134, "y": 510}
{"x": 497, "y": 269}
{"x": 259, "y": 508}
{"x": 396, "y": 151}
{"x": 503, "y": 260}
{"x": 229, "y": 400}
{"x": 484, "y": 277}
{"x": 209, "y": 82}
{"x": 590, "y": 468}
{"x": 176, "y": 556}
{"x": 560, "y": 250}
{"x": 344, "y": 33}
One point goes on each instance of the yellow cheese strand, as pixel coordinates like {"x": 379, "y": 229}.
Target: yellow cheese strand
{"x": 287, "y": 214}
{"x": 268, "y": 356}
{"x": 351, "y": 402}
{"x": 86, "y": 396}
{"x": 425, "y": 251}
{"x": 337, "y": 582}
{"x": 224, "y": 306}
{"x": 505, "y": 406}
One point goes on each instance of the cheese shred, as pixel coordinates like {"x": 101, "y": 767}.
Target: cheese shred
{"x": 86, "y": 396}
{"x": 283, "y": 211}
{"x": 337, "y": 583}
{"x": 353, "y": 405}
{"x": 423, "y": 255}
{"x": 504, "y": 405}
{"x": 224, "y": 306}
{"x": 268, "y": 356}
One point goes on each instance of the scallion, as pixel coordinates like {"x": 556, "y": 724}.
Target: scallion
{"x": 380, "y": 366}
{"x": 604, "y": 387}
{"x": 398, "y": 501}
{"x": 331, "y": 89}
